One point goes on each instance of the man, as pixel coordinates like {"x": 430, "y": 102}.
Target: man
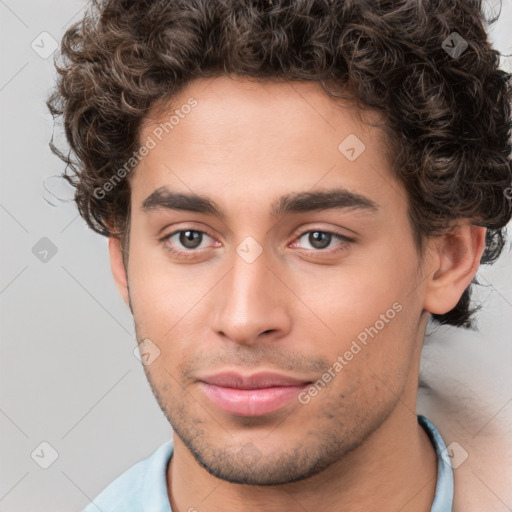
{"x": 290, "y": 190}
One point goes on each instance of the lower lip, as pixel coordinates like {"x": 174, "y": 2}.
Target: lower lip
{"x": 251, "y": 402}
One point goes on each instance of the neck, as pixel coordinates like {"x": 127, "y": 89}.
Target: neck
{"x": 394, "y": 469}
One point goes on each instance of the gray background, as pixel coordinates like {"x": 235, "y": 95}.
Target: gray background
{"x": 68, "y": 373}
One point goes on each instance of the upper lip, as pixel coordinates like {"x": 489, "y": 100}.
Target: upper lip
{"x": 255, "y": 381}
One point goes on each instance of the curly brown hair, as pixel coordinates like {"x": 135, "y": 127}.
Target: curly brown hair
{"x": 447, "y": 116}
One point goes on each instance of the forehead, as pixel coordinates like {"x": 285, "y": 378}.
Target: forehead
{"x": 271, "y": 137}
{"x": 231, "y": 110}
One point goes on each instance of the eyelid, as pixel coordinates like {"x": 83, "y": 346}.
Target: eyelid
{"x": 303, "y": 231}
{"x": 185, "y": 227}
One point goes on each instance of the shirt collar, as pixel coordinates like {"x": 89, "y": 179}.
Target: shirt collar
{"x": 443, "y": 500}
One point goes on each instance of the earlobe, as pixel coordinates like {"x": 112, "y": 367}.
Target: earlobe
{"x": 118, "y": 269}
{"x": 457, "y": 256}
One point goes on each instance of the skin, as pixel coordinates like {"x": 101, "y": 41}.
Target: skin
{"x": 293, "y": 310}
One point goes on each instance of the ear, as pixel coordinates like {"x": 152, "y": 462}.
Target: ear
{"x": 456, "y": 258}
{"x": 117, "y": 266}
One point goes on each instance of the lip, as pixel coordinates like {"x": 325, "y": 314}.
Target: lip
{"x": 251, "y": 395}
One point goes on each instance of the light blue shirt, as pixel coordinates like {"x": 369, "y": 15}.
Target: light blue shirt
{"x": 143, "y": 487}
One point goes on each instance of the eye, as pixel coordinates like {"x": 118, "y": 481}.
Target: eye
{"x": 184, "y": 243}
{"x": 321, "y": 241}
{"x": 188, "y": 243}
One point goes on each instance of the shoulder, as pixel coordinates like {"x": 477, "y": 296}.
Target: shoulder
{"x": 141, "y": 487}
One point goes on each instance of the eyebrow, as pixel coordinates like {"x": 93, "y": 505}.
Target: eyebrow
{"x": 297, "y": 202}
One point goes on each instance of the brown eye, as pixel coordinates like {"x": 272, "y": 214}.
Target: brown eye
{"x": 321, "y": 240}
{"x": 190, "y": 239}
{"x": 185, "y": 243}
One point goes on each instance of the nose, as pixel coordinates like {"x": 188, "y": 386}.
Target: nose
{"x": 251, "y": 303}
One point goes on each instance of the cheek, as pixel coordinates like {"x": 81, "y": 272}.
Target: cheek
{"x": 369, "y": 310}
{"x": 161, "y": 294}
{"x": 355, "y": 296}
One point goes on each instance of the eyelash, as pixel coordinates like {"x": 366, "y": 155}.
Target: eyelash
{"x": 187, "y": 254}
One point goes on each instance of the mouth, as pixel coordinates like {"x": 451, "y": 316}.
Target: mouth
{"x": 251, "y": 395}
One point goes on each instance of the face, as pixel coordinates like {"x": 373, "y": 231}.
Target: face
{"x": 272, "y": 265}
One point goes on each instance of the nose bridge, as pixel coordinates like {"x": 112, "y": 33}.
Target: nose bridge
{"x": 249, "y": 303}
